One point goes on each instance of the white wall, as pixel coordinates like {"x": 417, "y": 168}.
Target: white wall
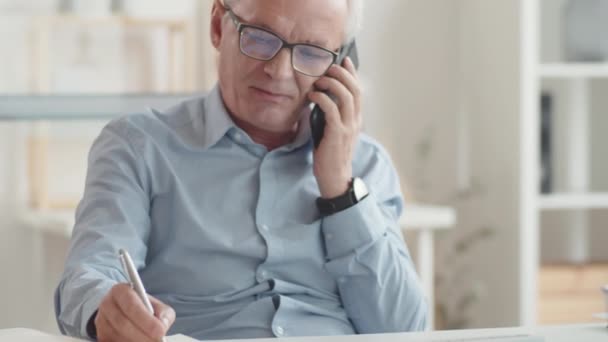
{"x": 490, "y": 46}
{"x": 453, "y": 57}
{"x": 407, "y": 52}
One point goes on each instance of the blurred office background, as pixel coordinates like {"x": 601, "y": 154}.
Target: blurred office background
{"x": 494, "y": 110}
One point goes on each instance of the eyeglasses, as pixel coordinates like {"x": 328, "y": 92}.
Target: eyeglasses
{"x": 262, "y": 44}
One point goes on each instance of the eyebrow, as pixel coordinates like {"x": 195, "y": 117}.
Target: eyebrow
{"x": 323, "y": 44}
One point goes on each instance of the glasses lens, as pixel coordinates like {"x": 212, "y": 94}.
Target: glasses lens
{"x": 311, "y": 60}
{"x": 259, "y": 44}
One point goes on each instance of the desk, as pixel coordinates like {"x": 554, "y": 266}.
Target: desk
{"x": 566, "y": 333}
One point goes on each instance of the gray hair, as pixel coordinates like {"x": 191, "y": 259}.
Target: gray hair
{"x": 353, "y": 23}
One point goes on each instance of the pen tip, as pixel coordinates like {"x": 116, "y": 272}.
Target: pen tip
{"x": 121, "y": 252}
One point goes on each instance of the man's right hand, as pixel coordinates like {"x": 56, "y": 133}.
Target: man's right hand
{"x": 122, "y": 316}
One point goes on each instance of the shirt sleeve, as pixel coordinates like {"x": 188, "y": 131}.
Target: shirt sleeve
{"x": 377, "y": 281}
{"x": 113, "y": 214}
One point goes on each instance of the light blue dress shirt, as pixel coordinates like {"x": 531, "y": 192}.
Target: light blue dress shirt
{"x": 228, "y": 233}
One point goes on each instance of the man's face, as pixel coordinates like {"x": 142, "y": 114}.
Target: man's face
{"x": 269, "y": 95}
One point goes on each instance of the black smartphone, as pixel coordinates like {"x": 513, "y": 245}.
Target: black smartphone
{"x": 317, "y": 116}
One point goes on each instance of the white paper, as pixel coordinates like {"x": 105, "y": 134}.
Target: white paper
{"x": 180, "y": 338}
{"x": 28, "y": 335}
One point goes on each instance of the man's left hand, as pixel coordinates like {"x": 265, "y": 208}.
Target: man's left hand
{"x": 333, "y": 157}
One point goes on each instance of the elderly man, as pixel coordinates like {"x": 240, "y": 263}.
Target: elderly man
{"x": 238, "y": 225}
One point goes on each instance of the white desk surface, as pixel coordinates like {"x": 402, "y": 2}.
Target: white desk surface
{"x": 566, "y": 333}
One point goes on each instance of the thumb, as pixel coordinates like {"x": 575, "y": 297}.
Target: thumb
{"x": 163, "y": 312}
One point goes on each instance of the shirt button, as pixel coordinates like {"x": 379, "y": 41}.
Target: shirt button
{"x": 329, "y": 236}
{"x": 280, "y": 331}
{"x": 265, "y": 228}
{"x": 262, "y": 276}
{"x": 238, "y": 136}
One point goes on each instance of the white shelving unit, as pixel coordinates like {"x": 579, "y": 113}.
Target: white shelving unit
{"x": 562, "y": 201}
{"x": 573, "y": 70}
{"x": 577, "y": 77}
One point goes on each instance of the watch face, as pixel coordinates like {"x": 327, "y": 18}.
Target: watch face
{"x": 359, "y": 189}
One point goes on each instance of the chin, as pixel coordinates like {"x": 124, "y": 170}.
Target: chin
{"x": 274, "y": 116}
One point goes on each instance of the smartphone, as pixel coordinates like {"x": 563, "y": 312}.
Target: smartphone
{"x": 317, "y": 116}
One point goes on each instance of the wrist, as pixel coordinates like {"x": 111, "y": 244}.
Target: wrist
{"x": 334, "y": 188}
{"x": 356, "y": 192}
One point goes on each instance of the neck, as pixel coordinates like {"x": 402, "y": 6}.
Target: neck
{"x": 271, "y": 140}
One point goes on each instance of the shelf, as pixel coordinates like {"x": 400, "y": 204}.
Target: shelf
{"x": 574, "y": 201}
{"x": 58, "y": 223}
{"x": 574, "y": 70}
{"x": 81, "y": 107}
{"x": 109, "y": 19}
{"x": 101, "y": 19}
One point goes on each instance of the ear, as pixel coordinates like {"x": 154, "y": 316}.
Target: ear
{"x": 217, "y": 14}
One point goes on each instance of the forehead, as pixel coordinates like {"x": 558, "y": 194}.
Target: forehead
{"x": 319, "y": 22}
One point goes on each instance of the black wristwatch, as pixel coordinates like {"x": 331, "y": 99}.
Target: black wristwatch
{"x": 356, "y": 192}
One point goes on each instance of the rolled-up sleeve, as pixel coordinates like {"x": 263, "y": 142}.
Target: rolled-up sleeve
{"x": 113, "y": 214}
{"x": 378, "y": 283}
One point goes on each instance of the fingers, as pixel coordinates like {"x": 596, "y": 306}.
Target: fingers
{"x": 347, "y": 75}
{"x": 343, "y": 83}
{"x": 123, "y": 314}
{"x": 163, "y": 312}
{"x": 329, "y": 107}
{"x": 344, "y": 98}
{"x": 354, "y": 87}
{"x": 113, "y": 326}
{"x": 132, "y": 306}
{"x": 105, "y": 331}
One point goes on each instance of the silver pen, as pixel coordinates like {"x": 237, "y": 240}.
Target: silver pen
{"x": 135, "y": 280}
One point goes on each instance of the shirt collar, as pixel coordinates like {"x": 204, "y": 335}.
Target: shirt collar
{"x": 216, "y": 120}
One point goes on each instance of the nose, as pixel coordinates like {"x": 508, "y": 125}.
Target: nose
{"x": 280, "y": 66}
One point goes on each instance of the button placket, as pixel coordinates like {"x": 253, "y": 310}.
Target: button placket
{"x": 263, "y": 229}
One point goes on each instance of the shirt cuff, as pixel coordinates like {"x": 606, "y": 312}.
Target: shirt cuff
{"x": 353, "y": 228}
{"x": 91, "y": 328}
{"x": 89, "y": 308}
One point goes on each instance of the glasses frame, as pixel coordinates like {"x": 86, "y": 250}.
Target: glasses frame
{"x": 240, "y": 26}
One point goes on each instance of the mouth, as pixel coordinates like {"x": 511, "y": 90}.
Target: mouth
{"x": 269, "y": 95}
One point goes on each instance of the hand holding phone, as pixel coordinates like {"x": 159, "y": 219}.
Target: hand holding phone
{"x": 317, "y": 116}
